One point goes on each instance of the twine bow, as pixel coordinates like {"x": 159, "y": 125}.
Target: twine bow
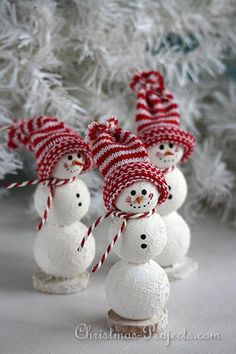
{"x": 125, "y": 217}
{"x": 52, "y": 183}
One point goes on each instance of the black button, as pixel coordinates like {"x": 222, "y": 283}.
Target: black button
{"x": 80, "y": 204}
{"x": 144, "y": 192}
{"x": 143, "y": 237}
{"x": 70, "y": 157}
{"x": 133, "y": 192}
{"x": 170, "y": 196}
{"x": 77, "y": 195}
{"x": 143, "y": 245}
{"x": 161, "y": 147}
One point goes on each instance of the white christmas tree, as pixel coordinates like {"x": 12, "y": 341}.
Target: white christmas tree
{"x": 74, "y": 60}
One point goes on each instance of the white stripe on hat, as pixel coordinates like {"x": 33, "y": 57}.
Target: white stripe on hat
{"x": 126, "y": 162}
{"x": 120, "y": 153}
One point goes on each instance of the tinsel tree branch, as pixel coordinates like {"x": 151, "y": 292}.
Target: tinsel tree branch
{"x": 74, "y": 59}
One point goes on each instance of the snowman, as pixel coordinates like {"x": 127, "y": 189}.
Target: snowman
{"x": 158, "y": 126}
{"x": 61, "y": 199}
{"x": 136, "y": 287}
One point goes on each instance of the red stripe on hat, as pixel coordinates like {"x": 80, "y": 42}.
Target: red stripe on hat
{"x": 122, "y": 158}
{"x": 114, "y": 150}
{"x": 49, "y": 141}
{"x": 156, "y": 117}
{"x": 165, "y": 109}
{"x": 155, "y": 125}
{"x": 46, "y": 131}
{"x": 103, "y": 142}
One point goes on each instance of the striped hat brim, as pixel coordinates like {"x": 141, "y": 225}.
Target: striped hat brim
{"x": 127, "y": 175}
{"x": 65, "y": 147}
{"x": 165, "y": 133}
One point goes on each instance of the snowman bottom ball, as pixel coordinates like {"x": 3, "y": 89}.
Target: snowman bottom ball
{"x": 137, "y": 291}
{"x": 55, "y": 250}
{"x": 178, "y": 236}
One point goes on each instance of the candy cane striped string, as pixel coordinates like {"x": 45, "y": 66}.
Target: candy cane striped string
{"x": 47, "y": 182}
{"x": 92, "y": 227}
{"x": 46, "y": 211}
{"x": 110, "y": 246}
{"x": 22, "y": 184}
{"x": 121, "y": 215}
{"x": 168, "y": 170}
{"x": 52, "y": 183}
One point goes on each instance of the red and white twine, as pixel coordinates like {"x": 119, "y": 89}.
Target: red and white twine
{"x": 46, "y": 211}
{"x": 168, "y": 170}
{"x": 125, "y": 217}
{"x": 52, "y": 183}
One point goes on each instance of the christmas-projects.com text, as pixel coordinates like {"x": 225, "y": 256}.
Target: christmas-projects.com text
{"x": 85, "y": 332}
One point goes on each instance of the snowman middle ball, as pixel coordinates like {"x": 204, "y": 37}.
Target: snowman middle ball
{"x": 177, "y": 192}
{"x": 142, "y": 240}
{"x": 137, "y": 291}
{"x": 70, "y": 203}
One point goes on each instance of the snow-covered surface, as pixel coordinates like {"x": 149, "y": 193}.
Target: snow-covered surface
{"x": 32, "y": 322}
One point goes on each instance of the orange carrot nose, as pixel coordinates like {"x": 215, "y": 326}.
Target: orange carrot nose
{"x": 168, "y": 153}
{"x": 77, "y": 163}
{"x": 139, "y": 199}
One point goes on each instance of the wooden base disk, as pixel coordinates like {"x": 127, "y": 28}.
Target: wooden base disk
{"x": 181, "y": 270}
{"x": 137, "y": 328}
{"x": 60, "y": 285}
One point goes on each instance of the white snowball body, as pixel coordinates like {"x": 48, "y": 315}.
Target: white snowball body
{"x": 178, "y": 232}
{"x": 70, "y": 202}
{"x": 55, "y": 250}
{"x": 142, "y": 240}
{"x": 137, "y": 291}
{"x": 177, "y": 192}
{"x": 178, "y": 235}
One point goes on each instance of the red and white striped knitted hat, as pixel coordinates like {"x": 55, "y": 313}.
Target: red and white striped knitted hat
{"x": 122, "y": 159}
{"x": 158, "y": 117}
{"x": 50, "y": 139}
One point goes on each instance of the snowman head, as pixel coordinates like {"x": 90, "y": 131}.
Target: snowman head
{"x": 140, "y": 197}
{"x": 165, "y": 154}
{"x": 69, "y": 165}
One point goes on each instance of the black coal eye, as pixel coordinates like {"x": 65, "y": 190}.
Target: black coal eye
{"x": 133, "y": 192}
{"x": 171, "y": 145}
{"x": 70, "y": 157}
{"x": 79, "y": 156}
{"x": 161, "y": 147}
{"x": 144, "y": 192}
